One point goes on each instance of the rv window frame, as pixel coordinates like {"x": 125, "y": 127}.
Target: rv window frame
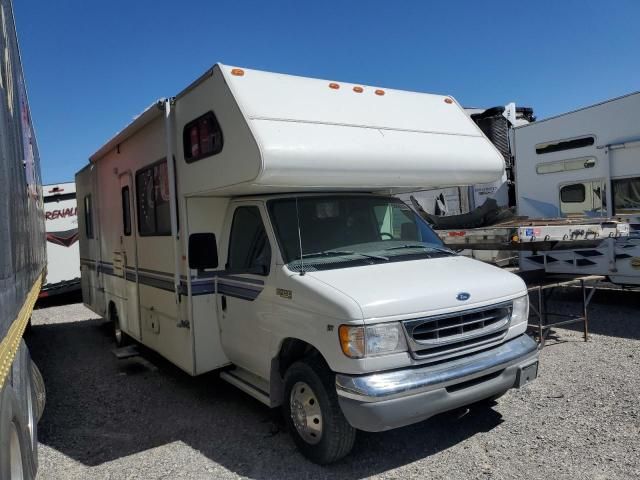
{"x": 139, "y": 172}
{"x": 126, "y": 212}
{"x": 87, "y": 205}
{"x": 554, "y": 146}
{"x": 249, "y": 271}
{"x": 186, "y": 145}
{"x": 574, "y": 184}
{"x": 614, "y": 207}
{"x": 565, "y": 162}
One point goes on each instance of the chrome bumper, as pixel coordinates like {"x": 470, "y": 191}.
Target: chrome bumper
{"x": 387, "y": 400}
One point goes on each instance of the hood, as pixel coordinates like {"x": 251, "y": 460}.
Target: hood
{"x": 422, "y": 287}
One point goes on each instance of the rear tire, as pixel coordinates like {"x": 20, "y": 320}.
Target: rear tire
{"x": 121, "y": 338}
{"x": 15, "y": 441}
{"x": 312, "y": 412}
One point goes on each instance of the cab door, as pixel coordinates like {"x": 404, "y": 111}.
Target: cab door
{"x": 243, "y": 294}
{"x": 128, "y": 268}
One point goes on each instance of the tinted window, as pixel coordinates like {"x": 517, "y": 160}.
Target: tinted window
{"x": 88, "y": 217}
{"x": 249, "y": 249}
{"x": 564, "y": 145}
{"x": 202, "y": 137}
{"x": 126, "y": 211}
{"x": 152, "y": 193}
{"x": 626, "y": 195}
{"x": 573, "y": 193}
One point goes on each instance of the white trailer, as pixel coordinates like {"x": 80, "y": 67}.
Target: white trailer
{"x": 584, "y": 163}
{"x": 63, "y": 252}
{"x": 247, "y": 225}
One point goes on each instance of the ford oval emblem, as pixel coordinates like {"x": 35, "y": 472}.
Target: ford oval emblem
{"x": 462, "y": 296}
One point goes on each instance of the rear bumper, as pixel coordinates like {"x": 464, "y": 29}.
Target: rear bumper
{"x": 387, "y": 400}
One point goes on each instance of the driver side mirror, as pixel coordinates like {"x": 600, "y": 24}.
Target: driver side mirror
{"x": 203, "y": 251}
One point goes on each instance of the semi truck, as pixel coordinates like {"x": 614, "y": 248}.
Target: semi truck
{"x": 63, "y": 253}
{"x": 22, "y": 263}
{"x": 248, "y": 226}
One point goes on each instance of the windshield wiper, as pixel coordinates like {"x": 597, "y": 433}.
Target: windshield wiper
{"x": 343, "y": 252}
{"x": 426, "y": 247}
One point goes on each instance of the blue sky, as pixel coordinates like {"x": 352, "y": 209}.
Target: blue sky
{"x": 92, "y": 66}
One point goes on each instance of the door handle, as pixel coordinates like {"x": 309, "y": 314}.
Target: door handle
{"x": 223, "y": 303}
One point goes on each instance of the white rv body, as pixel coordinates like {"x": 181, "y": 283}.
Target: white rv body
{"x": 243, "y": 145}
{"x": 63, "y": 252}
{"x": 584, "y": 163}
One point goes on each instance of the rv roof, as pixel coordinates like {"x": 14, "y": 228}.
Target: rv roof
{"x": 392, "y": 138}
{"x": 580, "y": 109}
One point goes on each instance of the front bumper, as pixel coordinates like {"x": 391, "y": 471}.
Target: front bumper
{"x": 382, "y": 401}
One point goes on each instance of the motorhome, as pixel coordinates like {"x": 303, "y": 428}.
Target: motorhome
{"x": 63, "y": 252}
{"x": 584, "y": 163}
{"x": 22, "y": 263}
{"x": 247, "y": 225}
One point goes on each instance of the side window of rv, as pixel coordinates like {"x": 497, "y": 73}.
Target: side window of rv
{"x": 561, "y": 145}
{"x": 88, "y": 217}
{"x": 585, "y": 198}
{"x": 626, "y": 196}
{"x": 152, "y": 198}
{"x": 249, "y": 249}
{"x": 202, "y": 138}
{"x": 126, "y": 211}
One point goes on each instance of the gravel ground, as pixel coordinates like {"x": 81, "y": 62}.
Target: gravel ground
{"x": 143, "y": 418}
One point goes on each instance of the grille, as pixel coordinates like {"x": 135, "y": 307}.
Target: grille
{"x": 450, "y": 335}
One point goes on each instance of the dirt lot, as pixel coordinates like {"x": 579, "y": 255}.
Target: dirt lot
{"x": 143, "y": 418}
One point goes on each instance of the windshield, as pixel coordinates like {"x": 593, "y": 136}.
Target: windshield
{"x": 340, "y": 231}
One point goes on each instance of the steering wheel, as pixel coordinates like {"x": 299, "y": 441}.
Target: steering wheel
{"x": 382, "y": 234}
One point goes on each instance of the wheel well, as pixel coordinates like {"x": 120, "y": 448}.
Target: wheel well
{"x": 291, "y": 350}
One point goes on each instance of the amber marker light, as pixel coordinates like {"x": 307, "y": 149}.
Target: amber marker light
{"x": 352, "y": 341}
{"x": 379, "y": 92}
{"x": 358, "y": 89}
{"x": 448, "y": 100}
{"x": 334, "y": 86}
{"x": 238, "y": 72}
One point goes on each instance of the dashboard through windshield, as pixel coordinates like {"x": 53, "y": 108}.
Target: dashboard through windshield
{"x": 339, "y": 231}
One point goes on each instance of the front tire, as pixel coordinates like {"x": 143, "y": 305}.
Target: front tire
{"x": 312, "y": 412}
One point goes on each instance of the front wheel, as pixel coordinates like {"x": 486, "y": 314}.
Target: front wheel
{"x": 312, "y": 413}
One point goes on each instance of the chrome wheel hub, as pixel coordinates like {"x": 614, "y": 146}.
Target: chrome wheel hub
{"x": 305, "y": 412}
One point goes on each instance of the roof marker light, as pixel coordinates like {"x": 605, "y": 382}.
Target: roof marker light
{"x": 358, "y": 89}
{"x": 380, "y": 92}
{"x": 238, "y": 72}
{"x": 335, "y": 86}
{"x": 448, "y": 100}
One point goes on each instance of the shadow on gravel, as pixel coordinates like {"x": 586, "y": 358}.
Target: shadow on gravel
{"x": 615, "y": 313}
{"x": 100, "y": 409}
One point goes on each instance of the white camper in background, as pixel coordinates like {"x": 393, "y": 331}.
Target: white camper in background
{"x": 247, "y": 225}
{"x": 584, "y": 163}
{"x": 63, "y": 252}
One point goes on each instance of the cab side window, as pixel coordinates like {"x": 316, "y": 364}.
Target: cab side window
{"x": 249, "y": 249}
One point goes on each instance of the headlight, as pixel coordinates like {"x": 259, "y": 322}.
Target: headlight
{"x": 380, "y": 339}
{"x": 520, "y": 312}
